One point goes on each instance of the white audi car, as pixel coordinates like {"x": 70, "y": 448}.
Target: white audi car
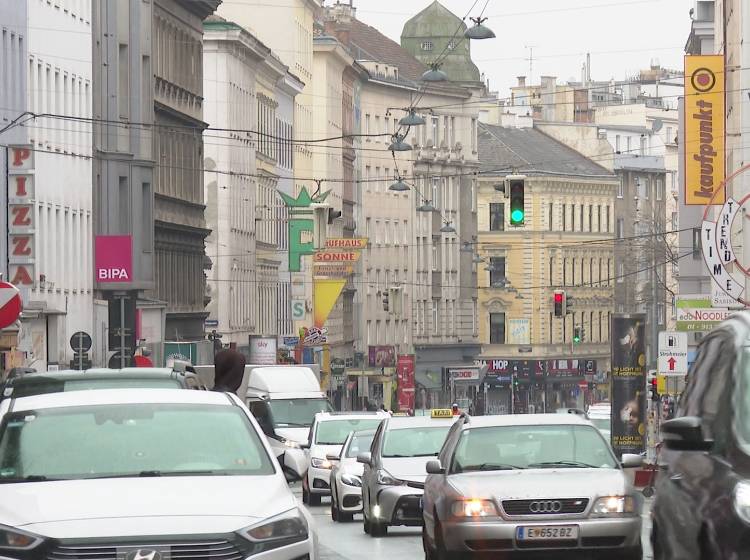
{"x": 143, "y": 474}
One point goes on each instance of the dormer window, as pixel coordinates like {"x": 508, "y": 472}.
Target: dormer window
{"x": 426, "y": 45}
{"x": 452, "y": 45}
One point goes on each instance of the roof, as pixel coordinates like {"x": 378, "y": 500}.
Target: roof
{"x": 98, "y": 373}
{"x": 367, "y": 43}
{"x": 526, "y": 420}
{"x": 399, "y": 422}
{"x": 434, "y": 21}
{"x": 504, "y": 150}
{"x": 121, "y": 396}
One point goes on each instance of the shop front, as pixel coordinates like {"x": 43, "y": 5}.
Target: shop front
{"x": 465, "y": 383}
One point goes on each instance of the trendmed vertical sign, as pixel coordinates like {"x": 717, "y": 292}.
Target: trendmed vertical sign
{"x": 704, "y": 129}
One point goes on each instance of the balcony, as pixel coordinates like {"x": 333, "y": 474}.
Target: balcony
{"x": 639, "y": 162}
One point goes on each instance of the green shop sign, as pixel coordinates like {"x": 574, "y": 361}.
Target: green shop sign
{"x": 301, "y": 225}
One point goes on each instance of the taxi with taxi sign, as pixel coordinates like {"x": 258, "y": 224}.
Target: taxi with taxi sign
{"x": 530, "y": 484}
{"x": 394, "y": 469}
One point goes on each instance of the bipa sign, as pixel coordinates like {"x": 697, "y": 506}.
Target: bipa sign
{"x": 114, "y": 258}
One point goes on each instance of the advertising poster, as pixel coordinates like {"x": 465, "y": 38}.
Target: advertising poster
{"x": 263, "y": 350}
{"x": 381, "y": 356}
{"x": 406, "y": 390}
{"x": 628, "y": 383}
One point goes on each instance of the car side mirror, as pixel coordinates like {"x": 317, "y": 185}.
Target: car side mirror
{"x": 631, "y": 460}
{"x": 685, "y": 434}
{"x": 365, "y": 458}
{"x": 333, "y": 457}
{"x": 434, "y": 467}
{"x": 304, "y": 446}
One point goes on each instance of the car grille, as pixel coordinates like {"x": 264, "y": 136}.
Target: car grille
{"x": 411, "y": 484}
{"x": 550, "y": 506}
{"x": 198, "y": 550}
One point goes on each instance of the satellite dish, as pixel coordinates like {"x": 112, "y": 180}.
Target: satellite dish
{"x": 657, "y": 125}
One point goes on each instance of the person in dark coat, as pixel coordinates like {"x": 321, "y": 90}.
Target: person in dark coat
{"x": 229, "y": 369}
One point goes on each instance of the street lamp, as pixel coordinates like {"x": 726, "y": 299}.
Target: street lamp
{"x": 426, "y": 207}
{"x": 399, "y": 186}
{"x": 398, "y": 144}
{"x": 412, "y": 119}
{"x": 447, "y": 228}
{"x": 434, "y": 74}
{"x": 479, "y": 31}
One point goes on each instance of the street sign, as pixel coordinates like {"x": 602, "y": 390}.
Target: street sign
{"x": 114, "y": 361}
{"x": 10, "y": 304}
{"x": 80, "y": 342}
{"x": 672, "y": 353}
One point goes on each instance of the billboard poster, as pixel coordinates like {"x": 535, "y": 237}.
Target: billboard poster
{"x": 382, "y": 356}
{"x": 263, "y": 350}
{"x": 628, "y": 383}
{"x": 405, "y": 374}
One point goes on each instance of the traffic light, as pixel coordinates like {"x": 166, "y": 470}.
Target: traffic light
{"x": 516, "y": 187}
{"x": 654, "y": 388}
{"x": 386, "y": 301}
{"x": 577, "y": 335}
{"x": 560, "y": 303}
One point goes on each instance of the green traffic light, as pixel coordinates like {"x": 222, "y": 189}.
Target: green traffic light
{"x": 577, "y": 339}
{"x": 516, "y": 216}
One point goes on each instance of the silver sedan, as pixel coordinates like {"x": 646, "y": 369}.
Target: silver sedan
{"x": 346, "y": 476}
{"x": 530, "y": 484}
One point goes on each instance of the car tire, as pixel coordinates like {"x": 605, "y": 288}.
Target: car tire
{"x": 335, "y": 515}
{"x": 345, "y": 517}
{"x": 429, "y": 552}
{"x": 305, "y": 495}
{"x": 365, "y": 523}
{"x": 378, "y": 530}
{"x": 313, "y": 499}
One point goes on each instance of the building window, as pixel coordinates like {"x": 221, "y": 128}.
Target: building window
{"x": 599, "y": 218}
{"x": 591, "y": 217}
{"x": 497, "y": 271}
{"x": 497, "y": 216}
{"x": 427, "y": 45}
{"x": 621, "y": 188}
{"x": 659, "y": 189}
{"x": 675, "y": 220}
{"x": 564, "y": 217}
{"x": 435, "y": 316}
{"x": 497, "y": 328}
{"x": 617, "y": 143}
{"x": 580, "y": 224}
{"x": 551, "y": 215}
{"x": 620, "y": 228}
{"x": 551, "y": 269}
{"x": 452, "y": 45}
{"x": 620, "y": 272}
{"x": 474, "y": 135}
{"x": 435, "y": 125}
{"x": 608, "y": 230}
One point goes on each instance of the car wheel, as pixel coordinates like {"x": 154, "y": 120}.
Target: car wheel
{"x": 345, "y": 517}
{"x": 313, "y": 499}
{"x": 365, "y": 523}
{"x": 335, "y": 515}
{"x": 429, "y": 552}
{"x": 378, "y": 529}
{"x": 305, "y": 495}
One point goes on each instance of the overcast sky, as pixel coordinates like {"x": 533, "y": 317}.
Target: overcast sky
{"x": 621, "y": 35}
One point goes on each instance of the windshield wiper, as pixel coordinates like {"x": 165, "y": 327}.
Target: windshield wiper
{"x": 564, "y": 464}
{"x": 425, "y": 455}
{"x": 490, "y": 467}
{"x": 157, "y": 473}
{"x": 396, "y": 456}
{"x": 30, "y": 478}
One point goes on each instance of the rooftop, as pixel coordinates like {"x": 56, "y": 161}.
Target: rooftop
{"x": 529, "y": 151}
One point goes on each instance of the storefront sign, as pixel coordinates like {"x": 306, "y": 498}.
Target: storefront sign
{"x": 21, "y": 221}
{"x": 313, "y": 337}
{"x": 704, "y": 129}
{"x": 464, "y": 374}
{"x": 301, "y": 226}
{"x": 405, "y": 391}
{"x": 381, "y": 356}
{"x": 329, "y": 257}
{"x": 564, "y": 368}
{"x": 347, "y": 243}
{"x": 628, "y": 383}
{"x": 263, "y": 350}
{"x": 113, "y": 256}
{"x": 325, "y": 294}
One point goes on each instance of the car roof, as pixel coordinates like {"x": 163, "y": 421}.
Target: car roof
{"x": 362, "y": 433}
{"x": 328, "y": 416}
{"x": 399, "y": 422}
{"x": 100, "y": 373}
{"x": 120, "y": 396}
{"x": 525, "y": 420}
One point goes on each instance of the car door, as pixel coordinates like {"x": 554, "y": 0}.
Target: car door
{"x": 369, "y": 476}
{"x": 685, "y": 491}
{"x": 435, "y": 484}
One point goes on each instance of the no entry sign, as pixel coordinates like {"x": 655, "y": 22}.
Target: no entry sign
{"x": 10, "y": 304}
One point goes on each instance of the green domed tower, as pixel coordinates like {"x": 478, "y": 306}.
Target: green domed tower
{"x": 431, "y": 32}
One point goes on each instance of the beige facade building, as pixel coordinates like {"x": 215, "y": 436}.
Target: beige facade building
{"x": 566, "y": 243}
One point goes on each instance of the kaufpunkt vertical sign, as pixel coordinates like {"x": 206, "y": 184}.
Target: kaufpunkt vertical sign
{"x": 704, "y": 129}
{"x": 628, "y": 383}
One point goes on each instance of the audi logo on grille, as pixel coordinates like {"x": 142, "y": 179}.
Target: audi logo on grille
{"x": 545, "y": 506}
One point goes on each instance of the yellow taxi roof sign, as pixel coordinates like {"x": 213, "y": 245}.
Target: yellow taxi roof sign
{"x": 441, "y": 413}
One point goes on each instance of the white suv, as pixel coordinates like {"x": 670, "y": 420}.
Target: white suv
{"x": 133, "y": 473}
{"x": 327, "y": 434}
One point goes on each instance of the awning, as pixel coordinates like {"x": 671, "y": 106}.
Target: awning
{"x": 429, "y": 380}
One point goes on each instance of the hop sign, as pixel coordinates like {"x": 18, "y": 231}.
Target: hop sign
{"x": 10, "y": 304}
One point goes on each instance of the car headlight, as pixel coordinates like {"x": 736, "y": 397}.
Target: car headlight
{"x": 613, "y": 505}
{"x": 351, "y": 480}
{"x": 742, "y": 501}
{"x": 282, "y": 530}
{"x": 474, "y": 508}
{"x": 384, "y": 477}
{"x": 320, "y": 463}
{"x": 13, "y": 539}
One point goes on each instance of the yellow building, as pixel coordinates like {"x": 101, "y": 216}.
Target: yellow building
{"x": 565, "y": 243}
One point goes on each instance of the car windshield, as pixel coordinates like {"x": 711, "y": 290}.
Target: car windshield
{"x": 130, "y": 440}
{"x": 414, "y": 442}
{"x": 359, "y": 444}
{"x": 524, "y": 447}
{"x": 335, "y": 432}
{"x": 297, "y": 412}
{"x": 42, "y": 385}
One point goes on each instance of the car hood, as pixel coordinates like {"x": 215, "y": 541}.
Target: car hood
{"x": 351, "y": 466}
{"x": 142, "y": 506}
{"x": 412, "y": 469}
{"x": 542, "y": 483}
{"x": 295, "y": 434}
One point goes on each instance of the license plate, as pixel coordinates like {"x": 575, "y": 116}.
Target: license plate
{"x": 547, "y": 533}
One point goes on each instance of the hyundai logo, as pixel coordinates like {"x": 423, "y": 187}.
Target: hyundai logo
{"x": 545, "y": 506}
{"x": 143, "y": 554}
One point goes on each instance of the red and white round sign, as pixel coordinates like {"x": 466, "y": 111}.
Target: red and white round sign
{"x": 10, "y": 304}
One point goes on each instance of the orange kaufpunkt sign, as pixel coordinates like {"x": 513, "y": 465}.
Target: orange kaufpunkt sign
{"x": 705, "y": 131}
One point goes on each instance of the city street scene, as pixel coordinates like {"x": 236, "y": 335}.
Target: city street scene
{"x": 374, "y": 280}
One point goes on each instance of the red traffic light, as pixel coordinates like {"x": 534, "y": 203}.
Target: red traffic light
{"x": 558, "y": 297}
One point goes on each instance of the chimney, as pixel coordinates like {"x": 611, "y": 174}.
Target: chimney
{"x": 588, "y": 68}
{"x": 521, "y": 81}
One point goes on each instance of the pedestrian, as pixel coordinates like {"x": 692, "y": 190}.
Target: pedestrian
{"x": 229, "y": 369}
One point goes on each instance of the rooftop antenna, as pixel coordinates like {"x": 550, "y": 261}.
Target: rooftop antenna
{"x": 531, "y": 62}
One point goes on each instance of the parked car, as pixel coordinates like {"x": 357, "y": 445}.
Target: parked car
{"x": 100, "y": 378}
{"x": 394, "y": 469}
{"x": 702, "y": 505}
{"x": 327, "y": 434}
{"x": 530, "y": 484}
{"x": 136, "y": 474}
{"x": 346, "y": 476}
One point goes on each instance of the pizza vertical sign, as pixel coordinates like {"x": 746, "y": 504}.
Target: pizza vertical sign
{"x": 21, "y": 216}
{"x": 704, "y": 129}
